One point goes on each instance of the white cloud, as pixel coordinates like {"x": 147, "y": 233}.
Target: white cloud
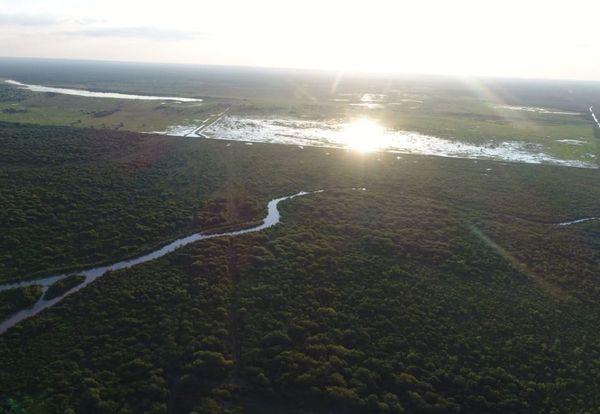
{"x": 533, "y": 38}
{"x": 28, "y": 19}
{"x": 141, "y": 32}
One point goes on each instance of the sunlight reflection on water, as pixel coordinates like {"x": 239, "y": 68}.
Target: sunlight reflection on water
{"x": 367, "y": 135}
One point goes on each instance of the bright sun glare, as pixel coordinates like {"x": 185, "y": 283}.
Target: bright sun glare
{"x": 363, "y": 135}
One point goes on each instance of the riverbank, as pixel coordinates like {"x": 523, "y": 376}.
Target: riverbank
{"x": 91, "y": 275}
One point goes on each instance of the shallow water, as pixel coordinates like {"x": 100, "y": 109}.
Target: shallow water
{"x": 372, "y": 97}
{"x": 273, "y": 217}
{"x": 90, "y": 94}
{"x": 583, "y": 220}
{"x": 594, "y": 116}
{"x": 572, "y": 141}
{"x": 536, "y": 110}
{"x": 369, "y": 105}
{"x": 192, "y": 130}
{"x": 333, "y": 134}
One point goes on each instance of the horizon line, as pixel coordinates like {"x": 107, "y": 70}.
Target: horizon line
{"x": 333, "y": 72}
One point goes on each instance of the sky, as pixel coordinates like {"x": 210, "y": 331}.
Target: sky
{"x": 507, "y": 38}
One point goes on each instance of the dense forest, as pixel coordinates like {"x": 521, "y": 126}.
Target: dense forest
{"x": 443, "y": 286}
{"x": 63, "y": 285}
{"x": 76, "y": 198}
{"x": 12, "y": 300}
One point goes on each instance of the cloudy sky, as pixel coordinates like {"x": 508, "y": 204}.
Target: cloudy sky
{"x": 525, "y": 38}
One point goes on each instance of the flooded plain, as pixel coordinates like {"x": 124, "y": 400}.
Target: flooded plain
{"x": 536, "y": 110}
{"x": 359, "y": 134}
{"x": 365, "y": 135}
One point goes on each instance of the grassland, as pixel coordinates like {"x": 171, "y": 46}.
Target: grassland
{"x": 445, "y": 286}
{"x": 468, "y": 112}
{"x": 56, "y": 109}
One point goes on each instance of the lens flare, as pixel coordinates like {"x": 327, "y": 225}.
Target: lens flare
{"x": 363, "y": 135}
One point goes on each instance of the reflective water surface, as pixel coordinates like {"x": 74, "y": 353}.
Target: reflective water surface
{"x": 90, "y": 94}
{"x": 366, "y": 135}
{"x": 272, "y": 218}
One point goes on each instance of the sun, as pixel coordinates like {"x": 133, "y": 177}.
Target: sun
{"x": 363, "y": 135}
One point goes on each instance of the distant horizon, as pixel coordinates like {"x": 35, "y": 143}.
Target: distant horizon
{"x": 507, "y": 39}
{"x": 330, "y": 72}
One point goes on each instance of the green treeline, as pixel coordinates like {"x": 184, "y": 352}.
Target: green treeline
{"x": 63, "y": 285}
{"x": 72, "y": 199}
{"x": 13, "y": 300}
{"x": 404, "y": 310}
{"x": 438, "y": 289}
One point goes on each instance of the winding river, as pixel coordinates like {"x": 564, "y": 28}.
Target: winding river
{"x": 273, "y": 217}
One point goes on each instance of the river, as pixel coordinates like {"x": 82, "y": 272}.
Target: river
{"x": 273, "y": 217}
{"x": 91, "y": 94}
